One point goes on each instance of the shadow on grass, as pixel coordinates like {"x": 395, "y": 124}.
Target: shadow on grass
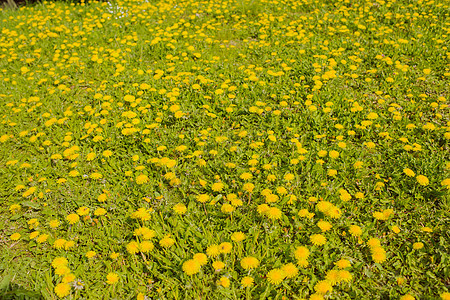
{"x": 15, "y": 4}
{"x": 15, "y": 292}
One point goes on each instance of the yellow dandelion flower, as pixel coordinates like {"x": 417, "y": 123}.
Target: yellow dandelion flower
{"x": 142, "y": 214}
{"x": 446, "y": 183}
{"x": 147, "y": 233}
{"x": 333, "y": 154}
{"x": 271, "y": 198}
{"x": 213, "y": 250}
{"x": 201, "y": 258}
{"x": 322, "y": 153}
{"x": 395, "y": 229}
{"x": 247, "y": 281}
{"x": 146, "y": 246}
{"x": 303, "y": 212}
{"x": 167, "y": 242}
{"x": 249, "y": 262}
{"x": 99, "y": 211}
{"x": 355, "y": 230}
{"x": 378, "y": 215}
{"x": 324, "y": 225}
{"x": 303, "y": 263}
{"x": 15, "y": 236}
{"x": 422, "y": 180}
{"x": 426, "y": 229}
{"x": 276, "y": 276}
{"x": 301, "y": 253}
{"x": 42, "y": 238}
{"x": 409, "y": 172}
{"x": 107, "y": 153}
{"x": 274, "y": 213}
{"x": 90, "y": 254}
{"x": 217, "y": 186}
{"x": 289, "y": 177}
{"x": 378, "y": 254}
{"x": 96, "y": 175}
{"x": 372, "y": 116}
{"x": 133, "y": 247}
{"x": 224, "y": 281}
{"x": 68, "y": 245}
{"x": 72, "y": 218}
{"x": 334, "y": 212}
{"x": 248, "y": 187}
{"x": 333, "y": 277}
{"x": 374, "y": 242}
{"x": 203, "y": 198}
{"x": 83, "y": 211}
{"x": 238, "y": 236}
{"x": 318, "y": 239}
{"x": 59, "y": 262}
{"x": 68, "y": 278}
{"x": 225, "y": 247}
{"x": 191, "y": 267}
{"x": 102, "y": 197}
{"x": 332, "y": 173}
{"x": 112, "y": 278}
{"x": 344, "y": 195}
{"x": 180, "y": 208}
{"x": 316, "y": 296}
{"x": 263, "y": 208}
{"x": 62, "y": 270}
{"x": 324, "y": 206}
{"x": 343, "y": 263}
{"x": 14, "y": 208}
{"x": 62, "y": 290}
{"x": 91, "y": 156}
{"x": 290, "y": 270}
{"x": 345, "y": 275}
{"x": 141, "y": 179}
{"x": 59, "y": 243}
{"x": 227, "y": 208}
{"x": 54, "y": 223}
{"x": 218, "y": 265}
{"x": 323, "y": 287}
{"x": 418, "y": 245}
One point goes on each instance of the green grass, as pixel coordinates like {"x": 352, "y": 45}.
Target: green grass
{"x": 268, "y": 88}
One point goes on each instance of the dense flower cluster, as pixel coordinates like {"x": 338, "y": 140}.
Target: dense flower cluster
{"x": 226, "y": 149}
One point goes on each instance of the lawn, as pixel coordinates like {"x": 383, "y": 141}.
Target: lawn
{"x": 242, "y": 149}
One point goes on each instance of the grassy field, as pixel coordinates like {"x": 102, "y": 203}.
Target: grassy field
{"x": 271, "y": 149}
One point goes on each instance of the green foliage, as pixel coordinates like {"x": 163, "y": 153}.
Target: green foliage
{"x": 156, "y": 149}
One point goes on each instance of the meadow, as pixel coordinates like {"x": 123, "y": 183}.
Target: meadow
{"x": 231, "y": 149}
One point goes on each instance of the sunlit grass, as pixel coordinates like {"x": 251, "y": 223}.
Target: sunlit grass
{"x": 225, "y": 149}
